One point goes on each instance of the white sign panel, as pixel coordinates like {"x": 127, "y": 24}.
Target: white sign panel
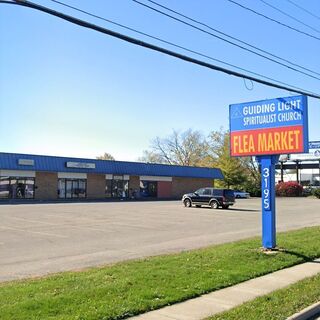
{"x": 81, "y": 165}
{"x": 72, "y": 175}
{"x": 18, "y": 173}
{"x": 25, "y": 162}
{"x": 314, "y": 152}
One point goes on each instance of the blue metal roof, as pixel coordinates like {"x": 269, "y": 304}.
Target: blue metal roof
{"x": 10, "y": 161}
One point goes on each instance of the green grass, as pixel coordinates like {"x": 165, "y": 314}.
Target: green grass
{"x": 129, "y": 288}
{"x": 278, "y": 305}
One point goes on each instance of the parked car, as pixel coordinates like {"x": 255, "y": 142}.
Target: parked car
{"x": 241, "y": 194}
{"x": 212, "y": 197}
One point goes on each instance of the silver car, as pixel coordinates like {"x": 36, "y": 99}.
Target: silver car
{"x": 241, "y": 194}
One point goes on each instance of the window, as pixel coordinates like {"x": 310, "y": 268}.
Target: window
{"x": 218, "y": 192}
{"x": 108, "y": 188}
{"x": 118, "y": 187}
{"x": 4, "y": 187}
{"x": 72, "y": 188}
{"x": 148, "y": 188}
{"x": 16, "y": 188}
{"x": 200, "y": 192}
{"x": 207, "y": 192}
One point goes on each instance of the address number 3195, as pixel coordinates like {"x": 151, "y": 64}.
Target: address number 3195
{"x": 266, "y": 191}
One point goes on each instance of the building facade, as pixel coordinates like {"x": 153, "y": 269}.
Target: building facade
{"x": 303, "y": 168}
{"x": 24, "y": 176}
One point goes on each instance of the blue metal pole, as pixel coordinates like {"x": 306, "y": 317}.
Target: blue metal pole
{"x": 267, "y": 164}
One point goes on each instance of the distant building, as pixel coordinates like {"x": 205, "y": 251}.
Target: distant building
{"x": 25, "y": 176}
{"x": 303, "y": 168}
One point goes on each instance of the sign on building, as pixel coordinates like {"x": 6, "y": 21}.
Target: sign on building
{"x": 275, "y": 126}
{"x": 25, "y": 162}
{"x": 80, "y": 165}
{"x": 314, "y": 153}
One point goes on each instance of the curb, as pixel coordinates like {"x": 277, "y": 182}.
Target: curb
{"x": 306, "y": 313}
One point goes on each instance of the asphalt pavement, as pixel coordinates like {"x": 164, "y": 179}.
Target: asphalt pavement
{"x": 37, "y": 239}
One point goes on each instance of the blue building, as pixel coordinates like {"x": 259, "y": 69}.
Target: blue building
{"x": 25, "y": 176}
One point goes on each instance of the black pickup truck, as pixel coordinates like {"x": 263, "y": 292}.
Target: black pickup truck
{"x": 212, "y": 197}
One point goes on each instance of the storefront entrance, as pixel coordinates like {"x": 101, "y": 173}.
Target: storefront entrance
{"x": 117, "y": 187}
{"x": 16, "y": 188}
{"x": 72, "y": 188}
{"x": 149, "y": 189}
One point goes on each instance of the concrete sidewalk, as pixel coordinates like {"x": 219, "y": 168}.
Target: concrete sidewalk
{"x": 228, "y": 298}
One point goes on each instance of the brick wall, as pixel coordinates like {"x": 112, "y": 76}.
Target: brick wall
{"x": 186, "y": 185}
{"x": 164, "y": 189}
{"x": 47, "y": 186}
{"x": 96, "y": 186}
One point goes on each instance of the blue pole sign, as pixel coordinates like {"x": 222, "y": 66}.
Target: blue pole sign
{"x": 267, "y": 164}
{"x": 266, "y": 129}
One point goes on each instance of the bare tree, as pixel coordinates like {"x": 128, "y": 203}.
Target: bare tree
{"x": 106, "y": 156}
{"x": 188, "y": 148}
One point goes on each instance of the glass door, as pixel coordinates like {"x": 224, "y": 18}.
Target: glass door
{"x": 29, "y": 188}
{"x": 19, "y": 188}
{"x": 72, "y": 188}
{"x": 82, "y": 188}
{"x": 75, "y": 188}
{"x": 68, "y": 189}
{"x": 62, "y": 188}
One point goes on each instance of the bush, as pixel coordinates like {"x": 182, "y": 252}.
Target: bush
{"x": 316, "y": 193}
{"x": 252, "y": 187}
{"x": 289, "y": 189}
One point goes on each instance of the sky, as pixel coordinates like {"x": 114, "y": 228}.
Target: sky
{"x": 70, "y": 91}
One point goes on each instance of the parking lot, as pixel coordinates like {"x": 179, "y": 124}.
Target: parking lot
{"x": 37, "y": 239}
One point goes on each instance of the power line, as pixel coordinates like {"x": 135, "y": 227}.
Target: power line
{"x": 225, "y": 40}
{"x": 273, "y": 20}
{"x": 229, "y": 36}
{"x": 290, "y": 16}
{"x": 304, "y": 9}
{"x": 144, "y": 44}
{"x": 167, "y": 42}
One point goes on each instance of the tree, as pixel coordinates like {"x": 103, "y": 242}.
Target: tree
{"x": 106, "y": 156}
{"x": 188, "y": 148}
{"x": 232, "y": 168}
{"x": 191, "y": 148}
{"x": 253, "y": 182}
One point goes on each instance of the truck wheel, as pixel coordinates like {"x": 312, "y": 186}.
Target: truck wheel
{"x": 214, "y": 204}
{"x": 187, "y": 203}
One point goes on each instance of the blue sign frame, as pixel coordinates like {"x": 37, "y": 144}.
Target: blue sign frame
{"x": 263, "y": 116}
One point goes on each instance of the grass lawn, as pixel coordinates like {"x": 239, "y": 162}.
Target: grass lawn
{"x": 278, "y": 305}
{"x": 129, "y": 288}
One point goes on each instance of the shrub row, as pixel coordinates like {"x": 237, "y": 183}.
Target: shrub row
{"x": 289, "y": 189}
{"x": 316, "y": 193}
{"x": 294, "y": 189}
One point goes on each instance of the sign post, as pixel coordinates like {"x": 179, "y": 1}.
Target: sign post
{"x": 267, "y": 129}
{"x": 268, "y": 194}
